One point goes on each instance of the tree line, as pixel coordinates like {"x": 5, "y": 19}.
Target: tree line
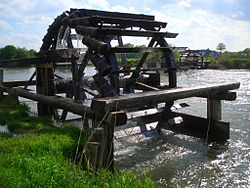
{"x": 232, "y": 60}
{"x": 12, "y": 52}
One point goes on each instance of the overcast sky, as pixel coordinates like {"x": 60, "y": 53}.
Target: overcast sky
{"x": 201, "y": 24}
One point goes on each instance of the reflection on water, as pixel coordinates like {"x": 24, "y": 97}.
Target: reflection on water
{"x": 176, "y": 160}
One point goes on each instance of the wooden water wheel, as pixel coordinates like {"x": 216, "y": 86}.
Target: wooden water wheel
{"x": 96, "y": 30}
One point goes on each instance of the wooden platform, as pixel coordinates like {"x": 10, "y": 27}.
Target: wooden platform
{"x": 154, "y": 97}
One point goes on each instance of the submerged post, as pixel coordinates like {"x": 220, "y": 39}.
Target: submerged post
{"x": 218, "y": 130}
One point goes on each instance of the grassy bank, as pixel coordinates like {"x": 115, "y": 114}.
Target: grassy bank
{"x": 40, "y": 155}
{"x": 230, "y": 63}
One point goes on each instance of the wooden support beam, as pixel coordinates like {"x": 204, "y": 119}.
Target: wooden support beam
{"x": 55, "y": 101}
{"x": 155, "y": 97}
{"x": 200, "y": 127}
{"x": 45, "y": 86}
{"x": 116, "y": 118}
{"x": 138, "y": 50}
{"x": 228, "y": 96}
{"x": 98, "y": 13}
{"x": 213, "y": 109}
{"x": 91, "y": 156}
{"x": 123, "y": 56}
{"x": 23, "y": 62}
{"x": 16, "y": 83}
{"x": 126, "y": 22}
{"x": 145, "y": 87}
{"x": 95, "y": 31}
{"x": 1, "y": 84}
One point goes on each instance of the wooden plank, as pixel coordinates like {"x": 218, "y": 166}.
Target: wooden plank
{"x": 1, "y": 84}
{"x": 23, "y": 62}
{"x": 116, "y": 118}
{"x": 16, "y": 83}
{"x": 136, "y": 33}
{"x": 138, "y": 50}
{"x": 95, "y": 31}
{"x": 56, "y": 102}
{"x": 145, "y": 87}
{"x": 126, "y": 22}
{"x": 114, "y": 22}
{"x": 115, "y": 15}
{"x": 155, "y": 97}
{"x": 200, "y": 127}
{"x": 91, "y": 156}
{"x": 228, "y": 96}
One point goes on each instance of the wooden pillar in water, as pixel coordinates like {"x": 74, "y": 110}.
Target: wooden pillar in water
{"x": 44, "y": 86}
{"x": 218, "y": 131}
{"x": 213, "y": 109}
{"x": 1, "y": 84}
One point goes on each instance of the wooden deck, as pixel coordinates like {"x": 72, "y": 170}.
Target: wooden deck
{"x": 154, "y": 97}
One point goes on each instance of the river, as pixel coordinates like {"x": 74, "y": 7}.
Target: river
{"x": 175, "y": 160}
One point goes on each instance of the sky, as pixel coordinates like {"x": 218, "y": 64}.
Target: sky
{"x": 201, "y": 24}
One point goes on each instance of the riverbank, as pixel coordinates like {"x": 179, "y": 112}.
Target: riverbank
{"x": 36, "y": 154}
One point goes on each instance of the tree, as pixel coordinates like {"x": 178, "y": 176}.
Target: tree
{"x": 12, "y": 52}
{"x": 221, "y": 47}
{"x": 8, "y": 52}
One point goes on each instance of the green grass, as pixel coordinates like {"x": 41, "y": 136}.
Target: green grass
{"x": 41, "y": 155}
{"x": 230, "y": 63}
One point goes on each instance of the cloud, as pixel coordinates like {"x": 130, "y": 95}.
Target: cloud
{"x": 198, "y": 28}
{"x": 29, "y": 41}
{"x": 237, "y": 14}
{"x": 4, "y": 25}
{"x": 185, "y": 3}
{"x": 119, "y": 8}
{"x": 104, "y": 4}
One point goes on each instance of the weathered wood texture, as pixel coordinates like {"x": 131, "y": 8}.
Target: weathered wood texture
{"x": 228, "y": 96}
{"x": 154, "y": 97}
{"x": 203, "y": 127}
{"x": 117, "y": 118}
{"x": 1, "y": 84}
{"x": 98, "y": 13}
{"x": 45, "y": 86}
{"x": 16, "y": 83}
{"x": 55, "y": 101}
{"x": 99, "y": 150}
{"x": 95, "y": 31}
{"x": 138, "y": 50}
{"x": 213, "y": 109}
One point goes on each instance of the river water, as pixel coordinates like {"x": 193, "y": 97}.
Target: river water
{"x": 176, "y": 160}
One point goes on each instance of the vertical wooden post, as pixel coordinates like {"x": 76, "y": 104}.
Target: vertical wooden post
{"x": 213, "y": 109}
{"x": 108, "y": 146}
{"x": 99, "y": 150}
{"x": 172, "y": 78}
{"x": 123, "y": 56}
{"x": 1, "y": 84}
{"x": 44, "y": 86}
{"x": 217, "y": 131}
